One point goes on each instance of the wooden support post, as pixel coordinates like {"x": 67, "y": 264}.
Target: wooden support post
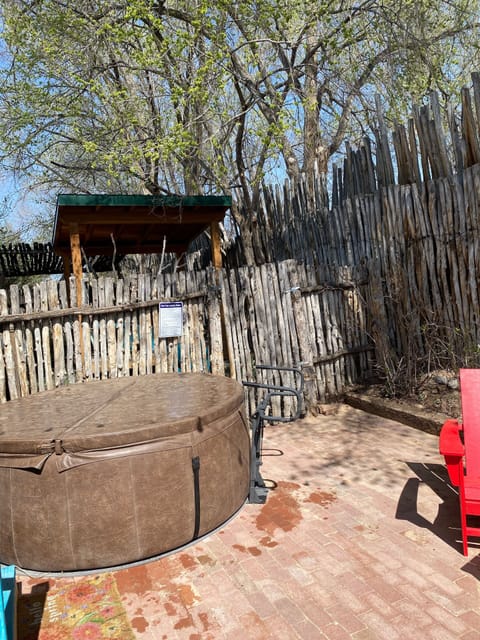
{"x": 77, "y": 272}
{"x": 217, "y": 263}
{"x": 76, "y": 262}
{"x": 215, "y": 240}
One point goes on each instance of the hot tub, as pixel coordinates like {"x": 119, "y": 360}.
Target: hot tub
{"x": 108, "y": 473}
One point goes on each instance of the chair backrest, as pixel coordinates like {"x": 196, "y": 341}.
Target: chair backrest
{"x": 470, "y": 394}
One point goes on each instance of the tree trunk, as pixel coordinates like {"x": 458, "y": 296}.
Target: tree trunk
{"x": 312, "y": 114}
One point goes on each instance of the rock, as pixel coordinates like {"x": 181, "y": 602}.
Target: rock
{"x": 327, "y": 409}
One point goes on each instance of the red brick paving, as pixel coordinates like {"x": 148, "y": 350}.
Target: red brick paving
{"x": 358, "y": 541}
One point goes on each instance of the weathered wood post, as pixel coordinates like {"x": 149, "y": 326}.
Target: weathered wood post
{"x": 215, "y": 242}
{"x": 76, "y": 251}
{"x": 76, "y": 262}
{"x": 224, "y": 336}
{"x": 304, "y": 341}
{"x": 385, "y": 356}
{"x": 216, "y": 315}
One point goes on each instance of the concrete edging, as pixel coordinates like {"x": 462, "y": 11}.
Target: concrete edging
{"x": 419, "y": 419}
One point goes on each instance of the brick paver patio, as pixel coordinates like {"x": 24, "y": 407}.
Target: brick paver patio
{"x": 358, "y": 540}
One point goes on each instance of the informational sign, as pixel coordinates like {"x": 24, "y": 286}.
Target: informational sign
{"x": 171, "y": 319}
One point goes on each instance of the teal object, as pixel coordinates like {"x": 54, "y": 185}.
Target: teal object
{"x": 141, "y": 200}
{"x": 8, "y": 591}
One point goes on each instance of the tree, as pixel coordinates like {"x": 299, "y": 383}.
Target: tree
{"x": 182, "y": 96}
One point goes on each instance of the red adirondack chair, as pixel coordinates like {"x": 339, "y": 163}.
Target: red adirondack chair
{"x": 460, "y": 444}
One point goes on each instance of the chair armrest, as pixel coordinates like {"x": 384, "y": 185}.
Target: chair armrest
{"x": 451, "y": 447}
{"x": 450, "y": 442}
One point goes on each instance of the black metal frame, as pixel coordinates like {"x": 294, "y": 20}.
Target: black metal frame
{"x": 258, "y": 490}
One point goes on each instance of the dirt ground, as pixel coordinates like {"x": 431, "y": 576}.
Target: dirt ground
{"x": 436, "y": 393}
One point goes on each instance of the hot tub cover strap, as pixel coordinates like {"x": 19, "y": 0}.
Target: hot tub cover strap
{"x": 196, "y": 488}
{"x": 23, "y": 460}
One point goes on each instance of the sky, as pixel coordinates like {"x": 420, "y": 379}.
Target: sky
{"x": 19, "y": 207}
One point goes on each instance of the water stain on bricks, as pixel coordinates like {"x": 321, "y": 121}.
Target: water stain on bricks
{"x": 134, "y": 580}
{"x": 188, "y": 561}
{"x": 170, "y": 609}
{"x": 206, "y": 560}
{"x": 139, "y": 624}
{"x": 281, "y": 511}
{"x": 187, "y": 595}
{"x": 251, "y": 550}
{"x": 266, "y": 541}
{"x": 163, "y": 572}
{"x": 184, "y": 623}
{"x": 205, "y": 621}
{"x": 323, "y": 498}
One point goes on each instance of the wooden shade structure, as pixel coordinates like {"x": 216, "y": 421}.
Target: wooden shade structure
{"x": 128, "y": 224}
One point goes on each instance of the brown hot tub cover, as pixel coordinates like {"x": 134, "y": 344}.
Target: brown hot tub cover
{"x": 111, "y": 472}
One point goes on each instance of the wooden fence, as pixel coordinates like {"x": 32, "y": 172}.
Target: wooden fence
{"x": 424, "y": 241}
{"x": 405, "y": 206}
{"x": 288, "y": 313}
{"x": 420, "y": 247}
{"x": 279, "y": 314}
{"x": 45, "y": 343}
{"x": 315, "y": 225}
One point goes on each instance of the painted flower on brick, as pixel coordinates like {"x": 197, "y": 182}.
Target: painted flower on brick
{"x": 84, "y": 592}
{"x": 87, "y": 631}
{"x": 75, "y": 616}
{"x": 60, "y": 633}
{"x": 116, "y": 628}
{"x": 108, "y": 612}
